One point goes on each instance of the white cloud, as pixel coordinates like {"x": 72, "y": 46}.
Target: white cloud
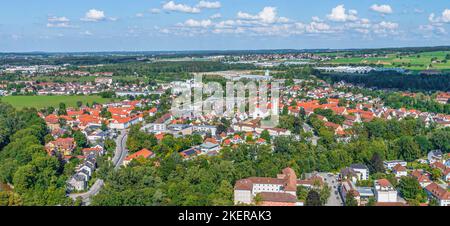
{"x": 139, "y": 15}
{"x": 155, "y": 11}
{"x": 385, "y": 9}
{"x": 267, "y": 15}
{"x": 444, "y": 18}
{"x": 172, "y": 6}
{"x": 58, "y": 19}
{"x": 58, "y": 25}
{"x": 197, "y": 23}
{"x": 339, "y": 14}
{"x": 94, "y": 15}
{"x": 385, "y": 27}
{"x": 216, "y": 16}
{"x": 209, "y": 5}
{"x": 58, "y": 22}
{"x": 446, "y": 15}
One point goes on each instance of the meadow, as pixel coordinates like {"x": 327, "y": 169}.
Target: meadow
{"x": 419, "y": 61}
{"x": 39, "y": 102}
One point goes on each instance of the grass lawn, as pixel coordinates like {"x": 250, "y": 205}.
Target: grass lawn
{"x": 39, "y": 102}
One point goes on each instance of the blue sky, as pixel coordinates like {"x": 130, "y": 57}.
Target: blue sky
{"x": 138, "y": 25}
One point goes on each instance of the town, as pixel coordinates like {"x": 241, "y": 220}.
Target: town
{"x": 138, "y": 128}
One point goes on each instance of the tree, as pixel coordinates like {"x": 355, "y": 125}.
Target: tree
{"x": 62, "y": 109}
{"x": 265, "y": 135}
{"x": 313, "y": 199}
{"x": 350, "y": 199}
{"x": 104, "y": 113}
{"x": 408, "y": 149}
{"x": 436, "y": 174}
{"x": 376, "y": 163}
{"x": 80, "y": 139}
{"x": 410, "y": 189}
{"x": 79, "y": 104}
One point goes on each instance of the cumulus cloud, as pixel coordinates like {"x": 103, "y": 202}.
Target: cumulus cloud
{"x": 172, "y": 6}
{"x": 209, "y": 5}
{"x": 94, "y": 15}
{"x": 339, "y": 14}
{"x": 197, "y": 23}
{"x": 267, "y": 15}
{"x": 385, "y": 27}
{"x": 443, "y": 18}
{"x": 384, "y": 9}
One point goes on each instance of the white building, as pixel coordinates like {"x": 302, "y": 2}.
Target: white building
{"x": 384, "y": 191}
{"x": 246, "y": 189}
{"x": 362, "y": 170}
{"x": 390, "y": 164}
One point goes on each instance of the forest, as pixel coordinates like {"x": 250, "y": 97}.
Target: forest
{"x": 393, "y": 80}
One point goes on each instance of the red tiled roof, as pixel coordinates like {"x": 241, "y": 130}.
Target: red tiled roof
{"x": 384, "y": 183}
{"x": 399, "y": 168}
{"x": 145, "y": 153}
{"x": 438, "y": 191}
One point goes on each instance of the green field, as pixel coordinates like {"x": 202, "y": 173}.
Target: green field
{"x": 419, "y": 61}
{"x": 39, "y": 102}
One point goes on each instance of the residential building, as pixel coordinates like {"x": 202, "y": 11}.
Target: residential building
{"x": 390, "y": 164}
{"x": 384, "y": 191}
{"x": 143, "y": 153}
{"x": 245, "y": 190}
{"x": 441, "y": 194}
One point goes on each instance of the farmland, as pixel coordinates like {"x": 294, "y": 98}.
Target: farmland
{"x": 39, "y": 102}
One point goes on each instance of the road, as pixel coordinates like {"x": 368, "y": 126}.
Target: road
{"x": 86, "y": 197}
{"x": 121, "y": 151}
{"x": 119, "y": 155}
{"x": 335, "y": 198}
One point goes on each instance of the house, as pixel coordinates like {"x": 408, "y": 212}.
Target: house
{"x": 442, "y": 195}
{"x": 434, "y": 156}
{"x": 177, "y": 129}
{"x": 365, "y": 193}
{"x": 362, "y": 170}
{"x": 208, "y": 146}
{"x": 205, "y": 129}
{"x": 446, "y": 174}
{"x": 96, "y": 150}
{"x": 63, "y": 146}
{"x": 355, "y": 172}
{"x": 118, "y": 122}
{"x": 76, "y": 183}
{"x": 245, "y": 190}
{"x": 347, "y": 187}
{"x": 390, "y": 164}
{"x": 314, "y": 181}
{"x": 338, "y": 130}
{"x": 155, "y": 128}
{"x": 384, "y": 191}
{"x": 438, "y": 165}
{"x": 423, "y": 178}
{"x": 190, "y": 153}
{"x": 399, "y": 171}
{"x": 143, "y": 153}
